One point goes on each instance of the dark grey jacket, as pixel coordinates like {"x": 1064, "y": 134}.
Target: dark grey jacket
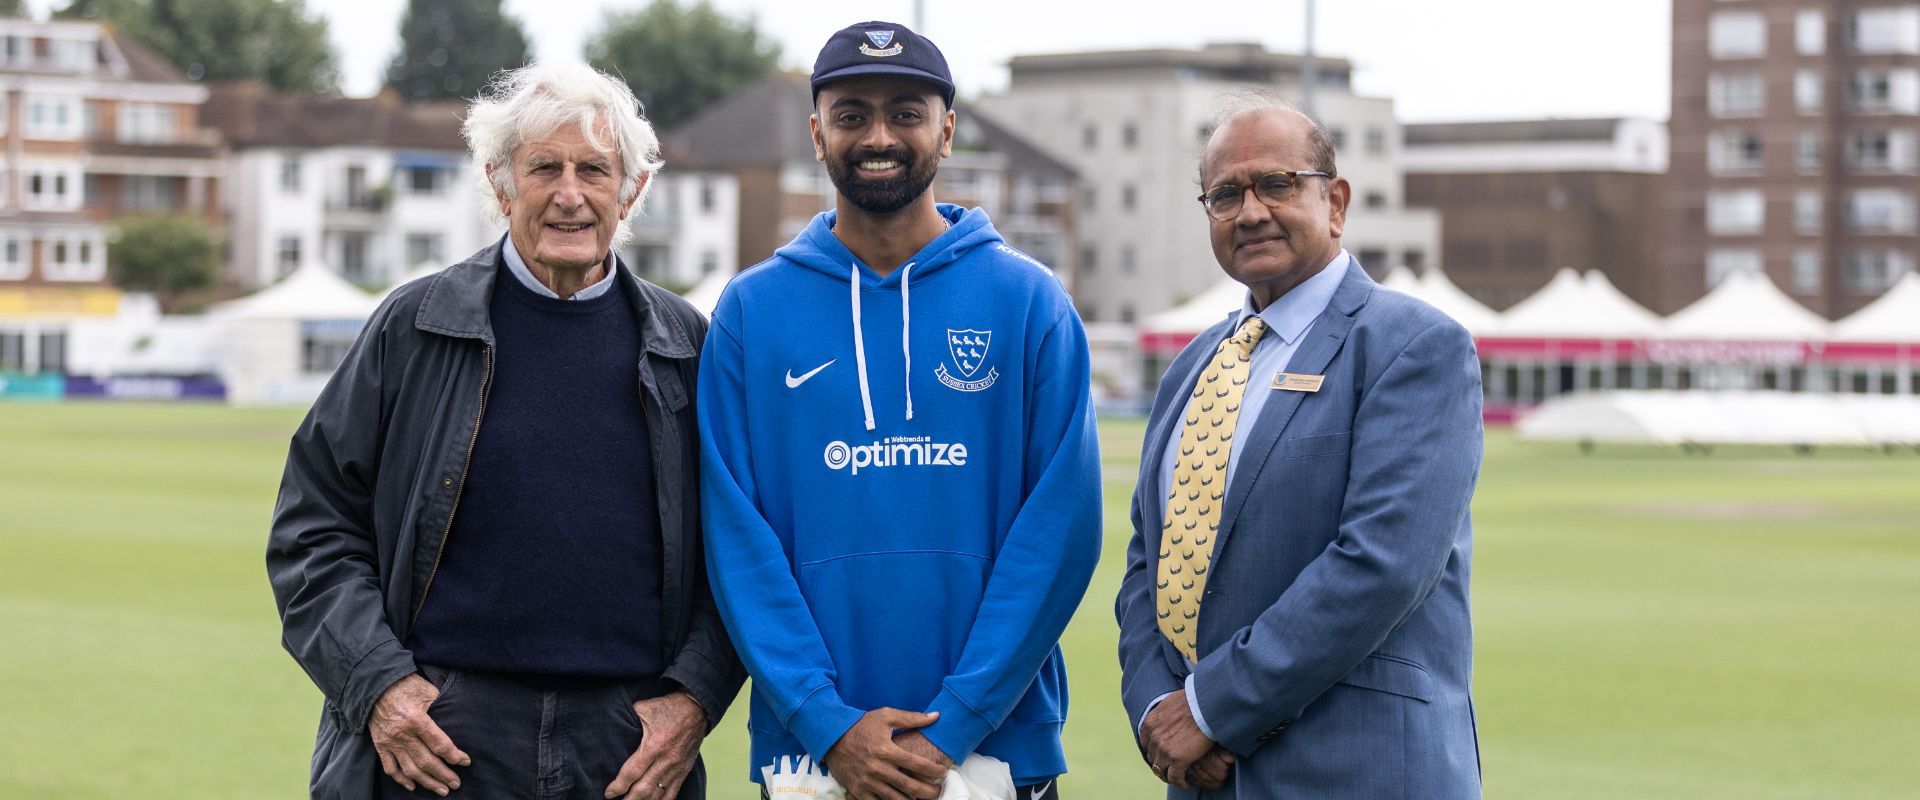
{"x": 373, "y": 479}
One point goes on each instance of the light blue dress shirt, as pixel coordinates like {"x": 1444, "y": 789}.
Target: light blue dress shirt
{"x": 518, "y": 266}
{"x": 1288, "y": 319}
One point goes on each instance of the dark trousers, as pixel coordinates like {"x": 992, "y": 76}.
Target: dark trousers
{"x": 538, "y": 738}
{"x": 1043, "y": 790}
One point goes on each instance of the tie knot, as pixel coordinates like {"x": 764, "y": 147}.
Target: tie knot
{"x": 1250, "y": 331}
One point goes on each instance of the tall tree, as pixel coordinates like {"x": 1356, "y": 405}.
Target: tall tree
{"x": 272, "y": 41}
{"x": 679, "y": 60}
{"x": 13, "y": 8}
{"x": 449, "y": 48}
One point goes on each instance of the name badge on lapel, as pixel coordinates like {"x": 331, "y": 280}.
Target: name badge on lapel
{"x": 1292, "y": 382}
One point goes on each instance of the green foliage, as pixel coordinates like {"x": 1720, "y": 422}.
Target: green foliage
{"x": 450, "y": 48}
{"x": 679, "y": 60}
{"x": 13, "y": 8}
{"x": 272, "y": 41}
{"x": 164, "y": 254}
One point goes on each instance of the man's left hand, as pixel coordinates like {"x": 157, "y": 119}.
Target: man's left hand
{"x": 915, "y": 742}
{"x": 671, "y": 728}
{"x": 1172, "y": 740}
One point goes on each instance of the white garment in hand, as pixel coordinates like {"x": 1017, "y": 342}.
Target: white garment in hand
{"x": 977, "y": 778}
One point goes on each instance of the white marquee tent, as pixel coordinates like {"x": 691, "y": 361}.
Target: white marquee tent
{"x": 1746, "y": 306}
{"x": 1757, "y": 417}
{"x": 1895, "y": 317}
{"x": 280, "y": 344}
{"x": 1571, "y": 306}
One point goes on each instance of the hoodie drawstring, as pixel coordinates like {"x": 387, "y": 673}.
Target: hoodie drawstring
{"x": 860, "y": 346}
{"x": 906, "y": 341}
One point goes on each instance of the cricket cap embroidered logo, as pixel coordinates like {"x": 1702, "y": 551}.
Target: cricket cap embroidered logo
{"x": 882, "y": 48}
{"x": 969, "y": 350}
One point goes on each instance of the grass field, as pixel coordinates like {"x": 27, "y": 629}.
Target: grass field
{"x": 1745, "y": 625}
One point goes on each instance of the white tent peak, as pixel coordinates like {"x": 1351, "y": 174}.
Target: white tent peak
{"x": 420, "y": 270}
{"x": 1746, "y": 306}
{"x": 1894, "y": 317}
{"x": 1571, "y": 306}
{"x": 310, "y": 292}
{"x": 1201, "y": 312}
{"x": 1433, "y": 288}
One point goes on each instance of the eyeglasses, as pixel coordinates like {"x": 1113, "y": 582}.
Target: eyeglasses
{"x": 1274, "y": 189}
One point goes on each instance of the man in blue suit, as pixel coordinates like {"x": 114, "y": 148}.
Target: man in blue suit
{"x": 1294, "y": 616}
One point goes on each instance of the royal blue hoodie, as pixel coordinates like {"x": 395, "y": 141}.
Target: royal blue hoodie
{"x": 901, "y": 491}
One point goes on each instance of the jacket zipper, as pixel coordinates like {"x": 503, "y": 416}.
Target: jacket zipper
{"x": 478, "y": 412}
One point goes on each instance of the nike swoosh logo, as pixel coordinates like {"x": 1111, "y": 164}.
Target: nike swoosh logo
{"x": 1041, "y": 791}
{"x": 794, "y": 383}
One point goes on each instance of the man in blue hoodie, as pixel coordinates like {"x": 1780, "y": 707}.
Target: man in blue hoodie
{"x": 899, "y": 465}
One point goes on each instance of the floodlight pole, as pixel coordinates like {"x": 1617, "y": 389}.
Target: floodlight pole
{"x": 1309, "y": 68}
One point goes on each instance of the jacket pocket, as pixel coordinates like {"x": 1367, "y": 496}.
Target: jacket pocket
{"x": 1324, "y": 444}
{"x": 1392, "y": 675}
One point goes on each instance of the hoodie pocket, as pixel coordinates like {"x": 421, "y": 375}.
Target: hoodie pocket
{"x": 896, "y": 621}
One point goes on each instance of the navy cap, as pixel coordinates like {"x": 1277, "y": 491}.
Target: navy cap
{"x": 881, "y": 48}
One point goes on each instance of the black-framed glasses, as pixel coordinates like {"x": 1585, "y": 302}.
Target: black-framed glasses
{"x": 1274, "y": 189}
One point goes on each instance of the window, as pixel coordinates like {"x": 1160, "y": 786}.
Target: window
{"x": 1089, "y": 136}
{"x": 145, "y": 193}
{"x": 53, "y": 187}
{"x": 353, "y": 257}
{"x": 1810, "y": 32}
{"x": 1735, "y": 211}
{"x": 1372, "y": 258}
{"x": 1723, "y": 261}
{"x": 1893, "y": 151}
{"x": 1806, "y": 91}
{"x": 1128, "y": 257}
{"x": 147, "y": 123}
{"x": 1737, "y": 34}
{"x": 74, "y": 259}
{"x": 1806, "y": 271}
{"x": 1872, "y": 271}
{"x": 1089, "y": 259}
{"x": 13, "y": 259}
{"x": 425, "y": 180}
{"x": 1087, "y": 196}
{"x": 1741, "y": 94}
{"x": 1339, "y": 137}
{"x": 709, "y": 261}
{"x": 1128, "y": 196}
{"x": 1806, "y": 211}
{"x": 287, "y": 255}
{"x": 290, "y": 173}
{"x": 1376, "y": 141}
{"x": 1733, "y": 151}
{"x": 1806, "y": 153}
{"x": 53, "y": 116}
{"x": 706, "y": 195}
{"x": 1877, "y": 91}
{"x": 1129, "y": 135}
{"x": 1376, "y": 200}
{"x": 324, "y": 344}
{"x": 1880, "y": 210}
{"x": 1885, "y": 30}
{"x": 423, "y": 248}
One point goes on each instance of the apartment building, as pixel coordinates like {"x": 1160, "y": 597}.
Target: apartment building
{"x": 1131, "y": 124}
{"x": 93, "y": 127}
{"x": 1796, "y": 147}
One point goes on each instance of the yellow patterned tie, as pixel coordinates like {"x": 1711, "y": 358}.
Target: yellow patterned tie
{"x": 1199, "y": 486}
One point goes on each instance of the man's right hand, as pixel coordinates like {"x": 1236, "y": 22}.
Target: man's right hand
{"x": 869, "y": 764}
{"x": 413, "y": 750}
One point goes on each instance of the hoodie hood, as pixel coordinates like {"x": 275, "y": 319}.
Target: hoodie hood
{"x": 818, "y": 249}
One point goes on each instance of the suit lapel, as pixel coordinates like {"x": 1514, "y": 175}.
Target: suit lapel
{"x": 1324, "y": 340}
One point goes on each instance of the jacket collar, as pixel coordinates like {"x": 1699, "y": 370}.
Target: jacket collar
{"x": 458, "y": 300}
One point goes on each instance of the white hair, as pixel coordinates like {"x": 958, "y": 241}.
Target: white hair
{"x": 526, "y": 104}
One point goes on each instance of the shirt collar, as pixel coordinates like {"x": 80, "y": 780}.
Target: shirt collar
{"x": 1290, "y": 314}
{"x": 518, "y": 266}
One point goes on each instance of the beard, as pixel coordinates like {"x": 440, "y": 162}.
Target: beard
{"x": 882, "y": 196}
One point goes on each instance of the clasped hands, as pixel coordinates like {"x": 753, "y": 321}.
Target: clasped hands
{"x": 1178, "y": 751}
{"x": 415, "y": 752}
{"x": 885, "y": 757}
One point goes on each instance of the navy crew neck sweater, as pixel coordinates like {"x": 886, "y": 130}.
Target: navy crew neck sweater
{"x": 553, "y": 563}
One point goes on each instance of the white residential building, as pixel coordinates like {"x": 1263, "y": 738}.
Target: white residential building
{"x": 1132, "y": 125}
{"x": 371, "y": 188}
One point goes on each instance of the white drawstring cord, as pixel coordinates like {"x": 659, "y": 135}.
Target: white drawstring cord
{"x": 860, "y": 348}
{"x": 906, "y": 341}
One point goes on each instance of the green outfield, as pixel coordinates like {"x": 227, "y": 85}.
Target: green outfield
{"x": 1745, "y": 625}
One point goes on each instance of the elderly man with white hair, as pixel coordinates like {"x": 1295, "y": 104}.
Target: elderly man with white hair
{"x": 486, "y": 550}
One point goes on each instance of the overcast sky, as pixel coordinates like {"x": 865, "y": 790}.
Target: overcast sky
{"x": 1437, "y": 59}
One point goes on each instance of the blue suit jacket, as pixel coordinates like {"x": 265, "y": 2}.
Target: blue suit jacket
{"x": 1336, "y": 650}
